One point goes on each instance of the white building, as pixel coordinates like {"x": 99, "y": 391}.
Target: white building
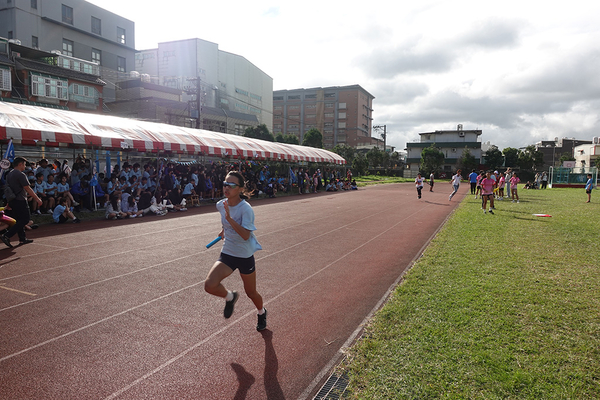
{"x": 227, "y": 81}
{"x": 586, "y": 154}
{"x": 451, "y": 143}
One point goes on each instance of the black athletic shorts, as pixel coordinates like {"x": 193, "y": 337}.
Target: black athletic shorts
{"x": 245, "y": 265}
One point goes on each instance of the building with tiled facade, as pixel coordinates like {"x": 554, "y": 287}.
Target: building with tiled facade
{"x": 343, "y": 114}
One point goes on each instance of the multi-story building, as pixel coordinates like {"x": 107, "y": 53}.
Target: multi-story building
{"x": 75, "y": 28}
{"x": 553, "y": 150}
{"x": 35, "y": 77}
{"x": 343, "y": 114}
{"x": 586, "y": 155}
{"x": 225, "y": 81}
{"x": 451, "y": 143}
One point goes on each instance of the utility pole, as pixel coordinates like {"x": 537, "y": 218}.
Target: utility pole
{"x": 383, "y": 135}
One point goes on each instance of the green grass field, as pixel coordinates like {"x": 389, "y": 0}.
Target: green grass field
{"x": 503, "y": 306}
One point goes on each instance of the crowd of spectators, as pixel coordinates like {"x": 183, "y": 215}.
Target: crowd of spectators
{"x": 135, "y": 190}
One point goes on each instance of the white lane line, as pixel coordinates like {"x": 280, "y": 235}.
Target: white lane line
{"x": 195, "y": 346}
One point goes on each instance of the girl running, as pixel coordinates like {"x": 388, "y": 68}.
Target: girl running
{"x": 419, "y": 184}
{"x": 455, "y": 181}
{"x": 240, "y": 244}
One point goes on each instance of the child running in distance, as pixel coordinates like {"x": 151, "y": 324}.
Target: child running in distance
{"x": 455, "y": 182}
{"x": 419, "y": 184}
{"x": 240, "y": 244}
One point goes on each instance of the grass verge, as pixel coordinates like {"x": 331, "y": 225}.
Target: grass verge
{"x": 502, "y": 306}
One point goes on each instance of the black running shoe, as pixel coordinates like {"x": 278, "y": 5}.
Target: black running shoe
{"x": 229, "y": 305}
{"x": 262, "y": 322}
{"x": 6, "y": 240}
{"x": 491, "y": 212}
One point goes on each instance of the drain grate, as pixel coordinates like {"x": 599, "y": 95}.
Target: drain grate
{"x": 334, "y": 388}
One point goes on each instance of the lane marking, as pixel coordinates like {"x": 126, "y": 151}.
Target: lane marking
{"x": 15, "y": 290}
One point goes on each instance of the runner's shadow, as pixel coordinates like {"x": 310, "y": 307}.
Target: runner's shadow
{"x": 245, "y": 380}
{"x": 272, "y": 386}
{"x": 437, "y": 204}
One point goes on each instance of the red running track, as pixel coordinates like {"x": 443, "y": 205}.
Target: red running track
{"x": 117, "y": 309}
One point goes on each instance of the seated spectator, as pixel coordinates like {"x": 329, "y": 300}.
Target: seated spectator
{"x": 331, "y": 187}
{"x": 113, "y": 208}
{"x": 81, "y": 194}
{"x": 62, "y": 213}
{"x": 353, "y": 185}
{"x": 130, "y": 207}
{"x": 50, "y": 190}
{"x": 188, "y": 190}
{"x": 39, "y": 188}
{"x": 62, "y": 189}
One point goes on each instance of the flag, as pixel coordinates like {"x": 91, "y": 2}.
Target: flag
{"x": 10, "y": 152}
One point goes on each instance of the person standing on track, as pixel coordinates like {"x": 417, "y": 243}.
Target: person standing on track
{"x": 19, "y": 184}
{"x": 431, "y": 181}
{"x": 455, "y": 181}
{"x": 240, "y": 244}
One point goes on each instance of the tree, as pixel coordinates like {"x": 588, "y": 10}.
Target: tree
{"x": 511, "y": 156}
{"x": 313, "y": 138}
{"x": 395, "y": 160}
{"x": 431, "y": 159}
{"x": 566, "y": 157}
{"x": 531, "y": 158}
{"x": 467, "y": 161}
{"x": 259, "y": 132}
{"x": 345, "y": 151}
{"x": 374, "y": 157}
{"x": 494, "y": 158}
{"x": 359, "y": 164}
{"x": 289, "y": 138}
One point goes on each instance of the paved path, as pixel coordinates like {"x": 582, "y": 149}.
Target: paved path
{"x": 117, "y": 310}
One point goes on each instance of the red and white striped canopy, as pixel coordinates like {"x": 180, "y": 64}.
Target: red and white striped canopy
{"x": 29, "y": 125}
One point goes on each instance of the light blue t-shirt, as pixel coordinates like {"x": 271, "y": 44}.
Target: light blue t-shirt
{"x": 58, "y": 210}
{"x": 233, "y": 244}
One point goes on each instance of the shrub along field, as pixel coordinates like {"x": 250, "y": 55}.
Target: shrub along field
{"x": 503, "y": 306}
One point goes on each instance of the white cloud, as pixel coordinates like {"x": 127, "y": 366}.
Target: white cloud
{"x": 521, "y": 71}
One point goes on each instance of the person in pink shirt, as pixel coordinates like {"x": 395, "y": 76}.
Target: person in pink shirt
{"x": 501, "y": 183}
{"x": 513, "y": 187}
{"x": 487, "y": 191}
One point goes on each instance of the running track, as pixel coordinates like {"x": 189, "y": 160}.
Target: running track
{"x": 117, "y": 309}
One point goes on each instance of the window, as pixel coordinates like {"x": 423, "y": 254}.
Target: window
{"x": 121, "y": 64}
{"x": 10, "y": 35}
{"x": 83, "y": 94}
{"x": 34, "y": 4}
{"x": 67, "y": 49}
{"x": 329, "y": 105}
{"x": 97, "y": 56}
{"x": 96, "y": 26}
{"x": 342, "y": 115}
{"x": 342, "y": 106}
{"x": 120, "y": 35}
{"x": 49, "y": 87}
{"x": 328, "y": 115}
{"x": 5, "y": 82}
{"x": 295, "y": 97}
{"x": 35, "y": 42}
{"x": 67, "y": 15}
{"x": 341, "y": 124}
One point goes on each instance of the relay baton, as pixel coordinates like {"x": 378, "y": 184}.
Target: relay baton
{"x": 208, "y": 246}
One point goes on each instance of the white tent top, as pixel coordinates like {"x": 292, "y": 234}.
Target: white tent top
{"x": 29, "y": 125}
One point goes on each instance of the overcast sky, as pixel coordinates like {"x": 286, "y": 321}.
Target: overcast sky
{"x": 521, "y": 71}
